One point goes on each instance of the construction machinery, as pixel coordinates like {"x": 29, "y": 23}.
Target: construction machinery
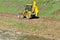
{"x": 31, "y": 10}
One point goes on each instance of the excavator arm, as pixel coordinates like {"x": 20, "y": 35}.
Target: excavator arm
{"x": 35, "y": 8}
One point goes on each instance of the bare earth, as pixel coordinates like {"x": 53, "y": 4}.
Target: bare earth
{"x": 47, "y": 27}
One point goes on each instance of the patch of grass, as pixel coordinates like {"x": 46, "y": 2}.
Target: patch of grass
{"x": 12, "y": 23}
{"x": 18, "y": 24}
{"x": 50, "y": 9}
{"x": 21, "y": 25}
{"x": 34, "y": 28}
{"x": 46, "y": 7}
{"x": 8, "y": 6}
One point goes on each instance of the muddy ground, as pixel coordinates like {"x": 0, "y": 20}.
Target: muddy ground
{"x": 48, "y": 28}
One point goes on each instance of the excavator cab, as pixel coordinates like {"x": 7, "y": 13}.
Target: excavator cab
{"x": 28, "y": 7}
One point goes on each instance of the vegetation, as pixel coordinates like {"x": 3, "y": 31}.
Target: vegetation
{"x": 46, "y": 7}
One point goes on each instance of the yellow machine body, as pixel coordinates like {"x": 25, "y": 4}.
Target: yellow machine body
{"x": 31, "y": 10}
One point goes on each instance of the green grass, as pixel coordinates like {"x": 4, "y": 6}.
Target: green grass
{"x": 46, "y": 7}
{"x": 12, "y": 23}
{"x": 50, "y": 9}
{"x": 5, "y": 6}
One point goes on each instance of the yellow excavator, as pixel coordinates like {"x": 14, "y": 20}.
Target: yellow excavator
{"x": 31, "y": 10}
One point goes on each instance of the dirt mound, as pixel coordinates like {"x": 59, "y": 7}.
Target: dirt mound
{"x": 56, "y": 12}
